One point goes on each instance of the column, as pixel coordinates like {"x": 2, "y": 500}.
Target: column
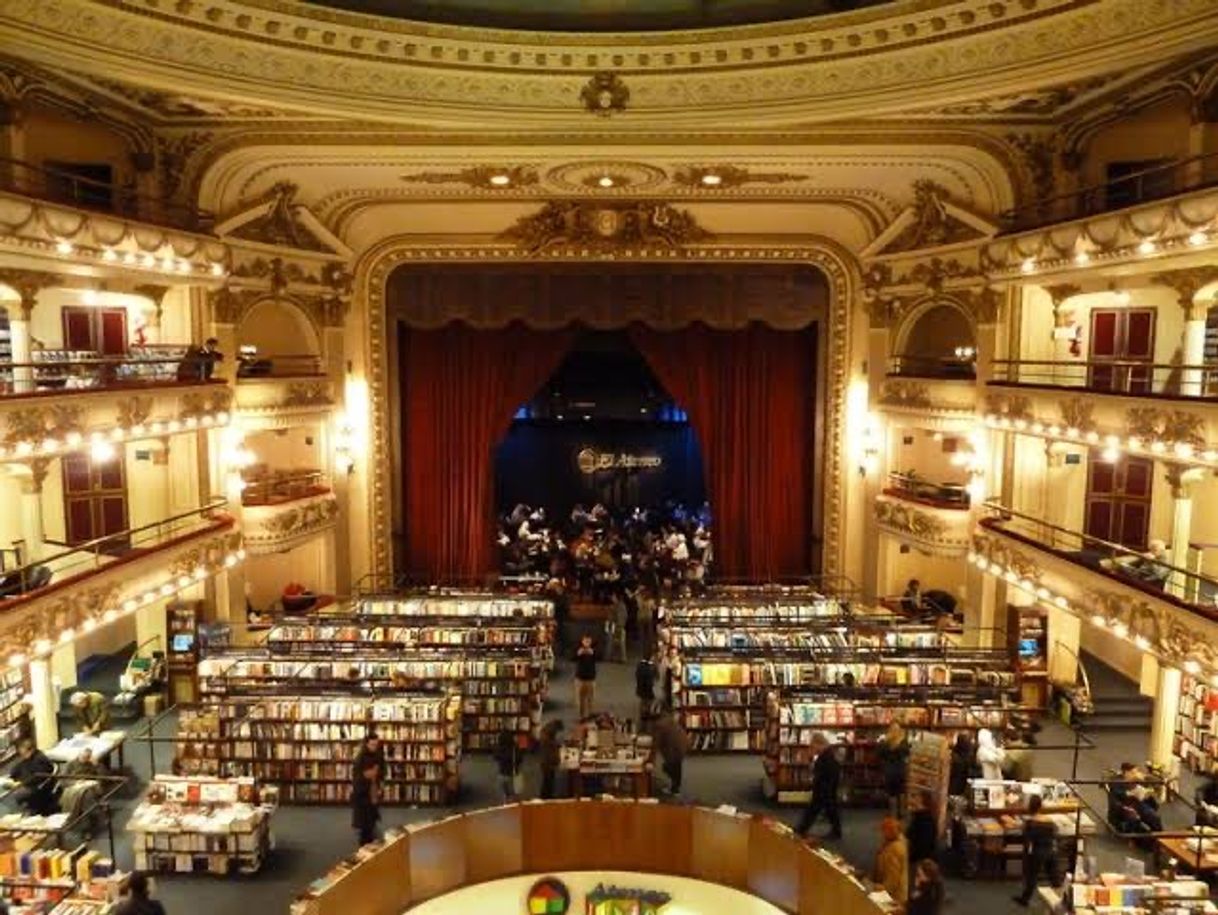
{"x": 981, "y": 609}
{"x": 32, "y": 530}
{"x": 1181, "y": 478}
{"x": 1167, "y": 705}
{"x": 12, "y": 142}
{"x": 45, "y": 703}
{"x": 1065, "y": 633}
{"x": 1063, "y": 333}
{"x": 27, "y": 284}
{"x": 1192, "y": 380}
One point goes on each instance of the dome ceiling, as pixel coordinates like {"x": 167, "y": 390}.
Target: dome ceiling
{"x": 598, "y": 15}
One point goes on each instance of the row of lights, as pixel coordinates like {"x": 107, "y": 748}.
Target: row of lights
{"x": 101, "y": 444}
{"x": 167, "y": 263}
{"x": 1146, "y": 248}
{"x": 1113, "y": 445}
{"x": 710, "y": 179}
{"x": 43, "y": 647}
{"x": 1046, "y": 597}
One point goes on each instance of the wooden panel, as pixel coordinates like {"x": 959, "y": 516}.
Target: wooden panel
{"x": 378, "y": 886}
{"x": 823, "y": 890}
{"x": 113, "y": 334}
{"x": 493, "y": 844}
{"x": 1139, "y": 334}
{"x": 113, "y": 515}
{"x": 78, "y": 517}
{"x": 607, "y": 836}
{"x": 1103, "y": 333}
{"x": 77, "y": 477}
{"x": 1099, "y": 519}
{"x": 1138, "y": 477}
{"x": 77, "y": 328}
{"x": 1135, "y": 523}
{"x": 720, "y": 851}
{"x": 437, "y": 859}
{"x": 773, "y": 866}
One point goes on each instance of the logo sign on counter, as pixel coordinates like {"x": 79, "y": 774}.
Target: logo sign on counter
{"x": 592, "y": 461}
{"x": 549, "y": 896}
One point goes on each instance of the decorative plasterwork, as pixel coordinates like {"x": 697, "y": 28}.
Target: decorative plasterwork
{"x": 905, "y": 394}
{"x": 325, "y": 308}
{"x": 1077, "y": 413}
{"x": 373, "y": 274}
{"x": 923, "y": 527}
{"x": 347, "y": 64}
{"x": 604, "y": 94}
{"x": 274, "y": 528}
{"x": 1000, "y": 550}
{"x": 933, "y": 220}
{"x": 199, "y": 404}
{"x": 726, "y": 177}
{"x": 483, "y": 177}
{"x": 1040, "y": 103}
{"x": 605, "y": 227}
{"x": 281, "y": 222}
{"x": 1151, "y": 424}
{"x": 1009, "y": 406}
{"x": 1186, "y": 283}
{"x": 27, "y": 284}
{"x": 624, "y": 176}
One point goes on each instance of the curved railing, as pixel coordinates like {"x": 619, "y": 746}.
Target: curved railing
{"x": 748, "y": 853}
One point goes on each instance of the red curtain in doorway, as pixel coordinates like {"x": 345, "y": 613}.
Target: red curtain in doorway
{"x": 460, "y": 388}
{"x": 750, "y": 397}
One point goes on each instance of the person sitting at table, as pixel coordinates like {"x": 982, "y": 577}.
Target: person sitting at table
{"x": 34, "y": 772}
{"x": 1150, "y": 568}
{"x": 1207, "y": 801}
{"x": 1132, "y": 806}
{"x": 84, "y": 766}
{"x": 92, "y": 712}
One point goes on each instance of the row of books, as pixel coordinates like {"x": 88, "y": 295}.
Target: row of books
{"x": 424, "y": 794}
{"x": 407, "y": 636}
{"x": 22, "y": 858}
{"x": 760, "y": 672}
{"x": 1195, "y": 741}
{"x": 1117, "y": 891}
{"x": 857, "y": 715}
{"x": 502, "y": 607}
{"x": 216, "y": 673}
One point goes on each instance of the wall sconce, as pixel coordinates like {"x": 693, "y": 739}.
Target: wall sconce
{"x": 344, "y": 446}
{"x": 966, "y": 353}
{"x": 869, "y": 452}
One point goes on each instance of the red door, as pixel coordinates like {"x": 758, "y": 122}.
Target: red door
{"x": 1120, "y": 336}
{"x": 1118, "y": 500}
{"x": 96, "y": 330}
{"x": 94, "y": 500}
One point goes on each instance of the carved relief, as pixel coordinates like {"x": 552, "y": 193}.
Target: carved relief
{"x": 133, "y": 411}
{"x": 1186, "y": 283}
{"x": 999, "y": 551}
{"x": 228, "y": 306}
{"x": 1014, "y": 406}
{"x": 905, "y": 394}
{"x": 932, "y": 225}
{"x": 605, "y": 226}
{"x": 197, "y": 404}
{"x": 933, "y": 272}
{"x": 27, "y": 284}
{"x": 1151, "y": 423}
{"x": 483, "y": 177}
{"x": 307, "y": 394}
{"x": 723, "y": 177}
{"x": 290, "y": 523}
{"x": 1038, "y": 154}
{"x": 281, "y": 225}
{"x": 604, "y": 94}
{"x": 906, "y": 519}
{"x": 1077, "y": 414}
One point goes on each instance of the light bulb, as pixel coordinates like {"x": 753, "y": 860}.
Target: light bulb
{"x": 1146, "y": 247}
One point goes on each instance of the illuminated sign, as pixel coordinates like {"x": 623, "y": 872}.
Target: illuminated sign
{"x": 549, "y": 896}
{"x": 591, "y": 461}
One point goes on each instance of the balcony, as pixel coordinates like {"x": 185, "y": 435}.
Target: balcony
{"x": 279, "y": 526}
{"x": 279, "y": 487}
{"x": 55, "y": 373}
{"x": 913, "y": 488}
{"x": 279, "y": 391}
{"x": 940, "y": 393}
{"x": 92, "y": 583}
{"x": 1185, "y": 588}
{"x": 70, "y": 189}
{"x": 933, "y": 530}
{"x": 1156, "y": 183}
{"x": 943, "y": 367}
{"x": 1132, "y": 379}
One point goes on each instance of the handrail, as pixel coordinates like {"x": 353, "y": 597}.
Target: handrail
{"x": 284, "y": 486}
{"x": 940, "y": 495}
{"x": 59, "y": 186}
{"x": 90, "y": 373}
{"x": 1153, "y": 183}
{"x": 1111, "y": 376}
{"x": 913, "y": 366}
{"x": 1129, "y": 566}
{"x": 284, "y": 365}
{"x": 38, "y": 574}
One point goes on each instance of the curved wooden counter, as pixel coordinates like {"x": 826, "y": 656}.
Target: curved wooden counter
{"x": 747, "y": 853}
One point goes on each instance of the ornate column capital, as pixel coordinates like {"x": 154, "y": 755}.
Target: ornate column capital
{"x": 1060, "y": 292}
{"x": 1186, "y": 282}
{"x": 1181, "y": 478}
{"x": 27, "y": 284}
{"x": 38, "y": 474}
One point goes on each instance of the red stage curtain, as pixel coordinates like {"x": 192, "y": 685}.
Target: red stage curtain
{"x": 749, "y": 394}
{"x": 460, "y": 388}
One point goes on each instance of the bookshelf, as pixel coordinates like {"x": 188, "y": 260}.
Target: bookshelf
{"x": 929, "y": 769}
{"x": 12, "y": 694}
{"x": 306, "y": 745}
{"x": 1118, "y": 894}
{"x": 720, "y": 696}
{"x": 182, "y": 656}
{"x": 497, "y": 693}
{"x": 737, "y": 610}
{"x": 202, "y": 825}
{"x": 354, "y": 636}
{"x": 40, "y": 877}
{"x": 856, "y": 721}
{"x": 1028, "y": 641}
{"x": 456, "y": 605}
{"x": 1195, "y": 740}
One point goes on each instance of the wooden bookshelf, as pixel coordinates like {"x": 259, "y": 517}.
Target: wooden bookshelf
{"x": 1195, "y": 740}
{"x": 306, "y": 744}
{"x": 12, "y": 694}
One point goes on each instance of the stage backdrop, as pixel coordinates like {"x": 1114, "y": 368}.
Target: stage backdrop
{"x": 559, "y": 465}
{"x": 749, "y": 389}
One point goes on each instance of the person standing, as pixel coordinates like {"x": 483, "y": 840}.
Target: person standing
{"x": 645, "y": 688}
{"x": 585, "y": 676}
{"x": 893, "y": 751}
{"x": 671, "y": 744}
{"x": 962, "y": 762}
{"x": 892, "y": 861}
{"x": 549, "y": 745}
{"x": 826, "y": 780}
{"x": 371, "y": 753}
{"x": 139, "y": 901}
{"x": 1039, "y": 850}
{"x": 365, "y": 803}
{"x": 928, "y": 890}
{"x": 922, "y": 833}
{"x": 990, "y": 756}
{"x": 507, "y": 759}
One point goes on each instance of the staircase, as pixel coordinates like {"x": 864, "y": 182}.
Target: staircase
{"x": 1118, "y": 704}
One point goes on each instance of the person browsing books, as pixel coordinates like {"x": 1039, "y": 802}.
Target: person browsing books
{"x": 139, "y": 900}
{"x": 826, "y": 780}
{"x": 585, "y": 676}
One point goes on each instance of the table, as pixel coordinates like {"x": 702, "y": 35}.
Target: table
{"x": 1186, "y": 857}
{"x": 102, "y": 745}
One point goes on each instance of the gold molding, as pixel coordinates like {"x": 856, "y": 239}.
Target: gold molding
{"x": 372, "y": 275}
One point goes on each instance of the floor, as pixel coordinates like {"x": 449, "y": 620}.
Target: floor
{"x": 310, "y": 839}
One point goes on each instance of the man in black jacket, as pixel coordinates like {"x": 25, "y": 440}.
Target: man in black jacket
{"x": 1039, "y": 850}
{"x": 34, "y": 771}
{"x": 826, "y": 779}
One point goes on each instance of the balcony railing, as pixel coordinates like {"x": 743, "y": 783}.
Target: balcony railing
{"x": 59, "y": 371}
{"x": 914, "y": 488}
{"x": 1138, "y": 379}
{"x": 294, "y": 365}
{"x": 932, "y": 367}
{"x": 1187, "y": 587}
{"x": 83, "y": 559}
{"x": 70, "y": 189}
{"x": 287, "y": 486}
{"x": 1154, "y": 183}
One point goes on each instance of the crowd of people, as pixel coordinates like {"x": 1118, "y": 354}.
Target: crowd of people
{"x": 595, "y": 553}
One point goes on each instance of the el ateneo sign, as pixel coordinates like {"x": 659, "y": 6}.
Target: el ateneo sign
{"x": 590, "y": 460}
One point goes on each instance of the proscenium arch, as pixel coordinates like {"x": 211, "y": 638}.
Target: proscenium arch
{"x": 373, "y": 356}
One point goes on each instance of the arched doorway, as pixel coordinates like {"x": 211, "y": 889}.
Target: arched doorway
{"x": 939, "y": 343}
{"x": 737, "y": 346}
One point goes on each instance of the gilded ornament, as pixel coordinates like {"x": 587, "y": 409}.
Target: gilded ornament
{"x": 932, "y": 225}
{"x": 604, "y": 94}
{"x": 1014, "y": 406}
{"x": 1077, "y": 413}
{"x": 1169, "y": 426}
{"x": 307, "y": 394}
{"x": 605, "y": 226}
{"x": 906, "y": 519}
{"x": 134, "y": 411}
{"x": 724, "y": 177}
{"x": 483, "y": 177}
{"x": 905, "y": 394}
{"x": 1186, "y": 283}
